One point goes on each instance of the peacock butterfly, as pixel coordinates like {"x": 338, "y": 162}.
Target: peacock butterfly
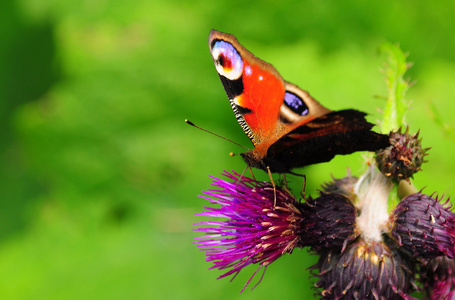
{"x": 288, "y": 128}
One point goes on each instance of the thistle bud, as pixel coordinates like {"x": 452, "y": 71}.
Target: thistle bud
{"x": 328, "y": 222}
{"x": 438, "y": 278}
{"x": 424, "y": 226}
{"x": 403, "y": 158}
{"x": 365, "y": 270}
{"x": 344, "y": 186}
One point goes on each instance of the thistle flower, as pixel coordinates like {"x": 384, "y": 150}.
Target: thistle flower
{"x": 424, "y": 226}
{"x": 256, "y": 231}
{"x": 438, "y": 278}
{"x": 403, "y": 158}
{"x": 344, "y": 186}
{"x": 365, "y": 270}
{"x": 329, "y": 222}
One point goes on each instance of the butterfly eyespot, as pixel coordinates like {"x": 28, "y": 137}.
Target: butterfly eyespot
{"x": 296, "y": 104}
{"x": 225, "y": 62}
{"x": 228, "y": 61}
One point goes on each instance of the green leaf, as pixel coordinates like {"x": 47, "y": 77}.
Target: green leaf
{"x": 396, "y": 105}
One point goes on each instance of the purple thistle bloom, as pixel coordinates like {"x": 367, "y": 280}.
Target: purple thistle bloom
{"x": 438, "y": 278}
{"x": 424, "y": 226}
{"x": 255, "y": 231}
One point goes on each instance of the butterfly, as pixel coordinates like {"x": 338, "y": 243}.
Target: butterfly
{"x": 288, "y": 127}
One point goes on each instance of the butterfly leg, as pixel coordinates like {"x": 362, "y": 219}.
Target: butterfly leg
{"x": 302, "y": 193}
{"x": 285, "y": 181}
{"x": 273, "y": 184}
{"x": 243, "y": 173}
{"x": 251, "y": 172}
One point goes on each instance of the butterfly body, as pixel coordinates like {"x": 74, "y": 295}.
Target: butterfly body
{"x": 288, "y": 128}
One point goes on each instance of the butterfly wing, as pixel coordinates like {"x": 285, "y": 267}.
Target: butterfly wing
{"x": 339, "y": 132}
{"x": 266, "y": 106}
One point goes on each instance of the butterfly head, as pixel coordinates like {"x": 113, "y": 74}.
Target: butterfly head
{"x": 253, "y": 160}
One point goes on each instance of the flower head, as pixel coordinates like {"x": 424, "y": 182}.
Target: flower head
{"x": 329, "y": 222}
{"x": 438, "y": 278}
{"x": 424, "y": 226}
{"x": 255, "y": 230}
{"x": 365, "y": 270}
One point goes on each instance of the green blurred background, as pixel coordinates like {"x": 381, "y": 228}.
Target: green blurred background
{"x": 100, "y": 175}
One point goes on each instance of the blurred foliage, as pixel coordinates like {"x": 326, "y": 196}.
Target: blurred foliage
{"x": 99, "y": 172}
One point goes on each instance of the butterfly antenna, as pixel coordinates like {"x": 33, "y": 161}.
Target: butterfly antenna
{"x": 215, "y": 134}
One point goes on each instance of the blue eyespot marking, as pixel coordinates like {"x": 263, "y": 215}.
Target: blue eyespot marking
{"x": 228, "y": 61}
{"x": 295, "y": 103}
